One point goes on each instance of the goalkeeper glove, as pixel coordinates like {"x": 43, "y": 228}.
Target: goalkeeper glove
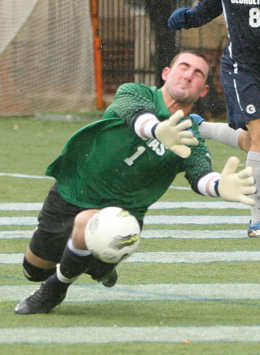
{"x": 175, "y": 135}
{"x": 235, "y": 186}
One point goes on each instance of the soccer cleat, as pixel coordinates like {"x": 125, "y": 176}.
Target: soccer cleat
{"x": 254, "y": 231}
{"x": 110, "y": 279}
{"x": 43, "y": 300}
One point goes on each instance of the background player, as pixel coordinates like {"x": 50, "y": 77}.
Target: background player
{"x": 239, "y": 73}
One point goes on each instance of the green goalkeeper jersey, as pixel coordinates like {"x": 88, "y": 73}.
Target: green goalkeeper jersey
{"x": 107, "y": 164}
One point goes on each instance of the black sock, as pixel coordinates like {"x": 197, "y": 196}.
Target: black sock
{"x": 73, "y": 265}
{"x": 57, "y": 285}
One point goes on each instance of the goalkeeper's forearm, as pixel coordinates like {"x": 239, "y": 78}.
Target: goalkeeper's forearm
{"x": 145, "y": 124}
{"x": 207, "y": 185}
{"x": 229, "y": 185}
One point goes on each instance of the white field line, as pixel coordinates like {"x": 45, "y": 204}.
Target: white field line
{"x": 186, "y": 257}
{"x": 199, "y": 205}
{"x": 20, "y": 206}
{"x": 144, "y": 292}
{"x": 23, "y": 206}
{"x": 197, "y": 220}
{"x": 27, "y": 176}
{"x": 116, "y": 334}
{"x": 192, "y": 234}
{"x": 18, "y": 221}
{"x": 180, "y": 188}
{"x": 155, "y": 234}
{"x": 15, "y": 234}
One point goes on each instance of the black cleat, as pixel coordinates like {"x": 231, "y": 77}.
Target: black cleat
{"x": 43, "y": 300}
{"x": 110, "y": 279}
{"x": 102, "y": 272}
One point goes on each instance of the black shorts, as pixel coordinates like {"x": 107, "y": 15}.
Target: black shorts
{"x": 55, "y": 225}
{"x": 54, "y": 228}
{"x": 242, "y": 91}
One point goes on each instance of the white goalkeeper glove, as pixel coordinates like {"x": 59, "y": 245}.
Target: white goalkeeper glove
{"x": 175, "y": 136}
{"x": 235, "y": 186}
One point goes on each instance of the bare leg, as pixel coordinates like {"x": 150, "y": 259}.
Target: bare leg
{"x": 253, "y": 160}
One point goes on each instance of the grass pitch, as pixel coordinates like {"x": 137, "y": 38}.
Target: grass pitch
{"x": 28, "y": 146}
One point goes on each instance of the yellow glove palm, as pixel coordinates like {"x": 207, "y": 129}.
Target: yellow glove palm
{"x": 175, "y": 136}
{"x": 235, "y": 186}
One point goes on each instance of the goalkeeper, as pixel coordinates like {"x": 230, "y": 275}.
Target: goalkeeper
{"x": 128, "y": 159}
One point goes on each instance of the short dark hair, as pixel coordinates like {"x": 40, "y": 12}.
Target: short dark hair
{"x": 194, "y": 52}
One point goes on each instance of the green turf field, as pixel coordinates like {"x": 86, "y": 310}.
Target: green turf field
{"x": 191, "y": 289}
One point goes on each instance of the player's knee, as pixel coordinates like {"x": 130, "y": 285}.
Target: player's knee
{"x": 79, "y": 226}
{"x": 83, "y": 217}
{"x": 36, "y": 274}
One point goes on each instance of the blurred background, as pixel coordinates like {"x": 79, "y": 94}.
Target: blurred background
{"x": 71, "y": 56}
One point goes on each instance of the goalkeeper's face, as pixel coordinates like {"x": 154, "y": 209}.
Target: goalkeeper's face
{"x": 185, "y": 81}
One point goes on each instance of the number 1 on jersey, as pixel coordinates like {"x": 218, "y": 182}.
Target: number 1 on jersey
{"x": 130, "y": 161}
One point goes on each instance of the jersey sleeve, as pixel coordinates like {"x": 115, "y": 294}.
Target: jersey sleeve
{"x": 130, "y": 101}
{"x": 202, "y": 13}
{"x": 198, "y": 163}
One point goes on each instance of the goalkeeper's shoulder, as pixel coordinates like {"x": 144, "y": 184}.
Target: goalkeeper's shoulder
{"x": 136, "y": 89}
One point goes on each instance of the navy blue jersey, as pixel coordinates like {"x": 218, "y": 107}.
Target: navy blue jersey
{"x": 243, "y": 24}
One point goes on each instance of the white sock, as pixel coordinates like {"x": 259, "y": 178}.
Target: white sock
{"x": 62, "y": 278}
{"x": 253, "y": 160}
{"x": 77, "y": 251}
{"x": 220, "y": 132}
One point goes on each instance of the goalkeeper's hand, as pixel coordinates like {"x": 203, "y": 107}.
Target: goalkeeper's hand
{"x": 177, "y": 19}
{"x": 175, "y": 135}
{"x": 235, "y": 186}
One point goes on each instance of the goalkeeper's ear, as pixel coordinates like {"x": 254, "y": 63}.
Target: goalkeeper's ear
{"x": 165, "y": 73}
{"x": 204, "y": 91}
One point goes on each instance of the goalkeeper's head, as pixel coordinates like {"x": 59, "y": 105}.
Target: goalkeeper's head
{"x": 196, "y": 54}
{"x": 185, "y": 79}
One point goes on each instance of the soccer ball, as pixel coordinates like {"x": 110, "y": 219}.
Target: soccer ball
{"x": 112, "y": 234}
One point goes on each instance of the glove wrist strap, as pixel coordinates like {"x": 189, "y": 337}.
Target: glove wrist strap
{"x": 145, "y": 125}
{"x": 207, "y": 185}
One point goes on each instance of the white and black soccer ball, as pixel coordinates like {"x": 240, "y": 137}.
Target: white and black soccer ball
{"x": 112, "y": 234}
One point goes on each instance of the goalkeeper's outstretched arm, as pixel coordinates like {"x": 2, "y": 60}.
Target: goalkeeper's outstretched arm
{"x": 229, "y": 185}
{"x": 173, "y": 134}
